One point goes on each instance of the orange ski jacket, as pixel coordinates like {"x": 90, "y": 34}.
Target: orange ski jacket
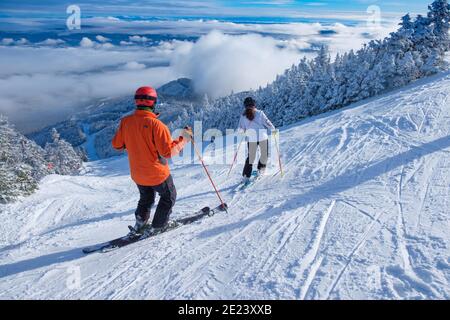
{"x": 148, "y": 143}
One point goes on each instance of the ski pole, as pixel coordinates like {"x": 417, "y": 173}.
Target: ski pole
{"x": 279, "y": 155}
{"x": 224, "y": 206}
{"x": 235, "y": 156}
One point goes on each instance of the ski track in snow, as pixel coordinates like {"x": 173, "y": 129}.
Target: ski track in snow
{"x": 361, "y": 213}
{"x": 311, "y": 260}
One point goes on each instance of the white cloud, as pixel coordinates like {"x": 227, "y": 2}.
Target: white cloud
{"x": 338, "y": 37}
{"x": 86, "y": 43}
{"x": 204, "y": 26}
{"x": 22, "y": 60}
{"x": 133, "y": 65}
{"x": 66, "y": 79}
{"x": 138, "y": 39}
{"x": 7, "y": 41}
{"x": 233, "y": 58}
{"x": 102, "y": 39}
{"x": 10, "y": 41}
{"x": 112, "y": 18}
{"x": 316, "y": 4}
{"x": 220, "y": 63}
{"x": 49, "y": 95}
{"x": 125, "y": 43}
{"x": 106, "y": 45}
{"x": 51, "y": 42}
{"x": 22, "y": 41}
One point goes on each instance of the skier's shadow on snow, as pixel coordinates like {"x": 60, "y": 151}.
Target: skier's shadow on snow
{"x": 40, "y": 262}
{"x": 50, "y": 259}
{"x": 348, "y": 180}
{"x": 203, "y": 194}
{"x": 109, "y": 216}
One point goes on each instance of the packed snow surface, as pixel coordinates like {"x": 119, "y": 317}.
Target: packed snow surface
{"x": 362, "y": 212}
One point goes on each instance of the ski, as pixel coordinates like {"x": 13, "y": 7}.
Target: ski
{"x": 127, "y": 240}
{"x": 253, "y": 179}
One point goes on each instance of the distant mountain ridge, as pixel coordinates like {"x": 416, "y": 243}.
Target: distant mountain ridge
{"x": 180, "y": 89}
{"x": 92, "y": 129}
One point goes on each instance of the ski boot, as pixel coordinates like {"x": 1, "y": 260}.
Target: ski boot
{"x": 152, "y": 231}
{"x": 138, "y": 229}
{"x": 245, "y": 180}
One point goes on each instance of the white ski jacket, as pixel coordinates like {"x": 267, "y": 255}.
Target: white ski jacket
{"x": 256, "y": 130}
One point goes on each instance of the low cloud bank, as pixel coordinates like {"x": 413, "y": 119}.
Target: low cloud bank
{"x": 41, "y": 82}
{"x": 220, "y": 64}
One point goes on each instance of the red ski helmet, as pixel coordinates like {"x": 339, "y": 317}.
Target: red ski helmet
{"x": 146, "y": 97}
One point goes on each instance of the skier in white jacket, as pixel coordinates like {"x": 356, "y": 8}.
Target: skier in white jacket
{"x": 255, "y": 124}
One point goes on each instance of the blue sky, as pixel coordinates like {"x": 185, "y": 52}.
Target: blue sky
{"x": 206, "y": 7}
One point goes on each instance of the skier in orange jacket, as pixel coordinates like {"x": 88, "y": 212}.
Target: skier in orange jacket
{"x": 149, "y": 144}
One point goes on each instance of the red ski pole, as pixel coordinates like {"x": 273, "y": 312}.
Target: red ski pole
{"x": 224, "y": 206}
{"x": 277, "y": 141}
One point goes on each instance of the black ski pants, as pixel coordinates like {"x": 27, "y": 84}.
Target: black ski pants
{"x": 168, "y": 196}
{"x": 252, "y": 149}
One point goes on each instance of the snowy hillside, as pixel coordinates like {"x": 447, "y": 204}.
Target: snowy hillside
{"x": 362, "y": 213}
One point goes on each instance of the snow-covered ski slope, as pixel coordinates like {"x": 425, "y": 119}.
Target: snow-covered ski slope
{"x": 362, "y": 213}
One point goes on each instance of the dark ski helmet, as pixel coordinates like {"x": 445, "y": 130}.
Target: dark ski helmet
{"x": 249, "y": 102}
{"x": 146, "y": 97}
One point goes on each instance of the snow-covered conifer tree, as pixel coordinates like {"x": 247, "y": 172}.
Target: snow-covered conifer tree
{"x": 62, "y": 156}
